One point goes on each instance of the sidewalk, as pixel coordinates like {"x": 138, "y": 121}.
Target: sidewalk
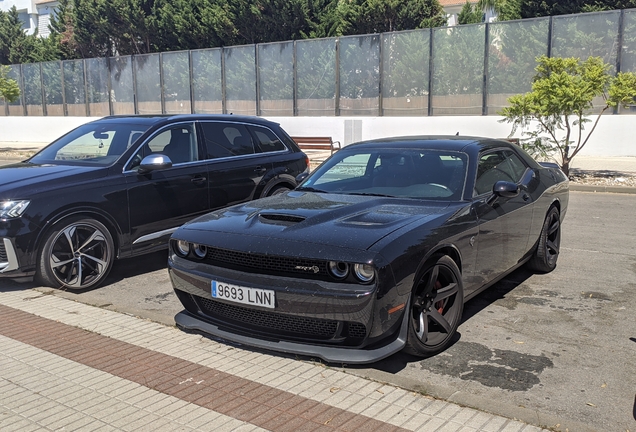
{"x": 69, "y": 366}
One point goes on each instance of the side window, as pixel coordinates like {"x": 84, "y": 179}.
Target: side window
{"x": 177, "y": 142}
{"x": 496, "y": 166}
{"x": 226, "y": 140}
{"x": 266, "y": 140}
{"x": 513, "y": 166}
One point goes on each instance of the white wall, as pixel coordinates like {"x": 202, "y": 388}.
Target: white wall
{"x": 20, "y": 5}
{"x": 614, "y": 136}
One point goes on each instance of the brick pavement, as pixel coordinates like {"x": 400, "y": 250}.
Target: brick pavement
{"x": 69, "y": 366}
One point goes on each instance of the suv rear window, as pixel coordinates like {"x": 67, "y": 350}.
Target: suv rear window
{"x": 266, "y": 140}
{"x": 226, "y": 140}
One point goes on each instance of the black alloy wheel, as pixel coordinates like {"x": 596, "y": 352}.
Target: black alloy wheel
{"x": 277, "y": 190}
{"x": 437, "y": 304}
{"x": 545, "y": 256}
{"x": 78, "y": 254}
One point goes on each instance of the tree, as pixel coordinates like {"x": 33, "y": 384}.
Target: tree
{"x": 553, "y": 115}
{"x": 11, "y": 35}
{"x": 9, "y": 89}
{"x": 192, "y": 24}
{"x": 539, "y": 8}
{"x": 351, "y": 17}
{"x": 61, "y": 30}
{"x": 469, "y": 15}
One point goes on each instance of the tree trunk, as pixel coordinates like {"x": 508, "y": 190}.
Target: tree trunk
{"x": 565, "y": 167}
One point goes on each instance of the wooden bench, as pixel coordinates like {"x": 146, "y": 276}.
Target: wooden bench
{"x": 317, "y": 143}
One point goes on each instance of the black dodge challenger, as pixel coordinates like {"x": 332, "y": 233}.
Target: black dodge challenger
{"x": 374, "y": 252}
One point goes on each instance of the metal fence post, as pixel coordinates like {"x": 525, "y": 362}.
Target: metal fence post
{"x": 133, "y": 63}
{"x": 109, "y": 82}
{"x": 223, "y": 83}
{"x": 161, "y": 85}
{"x": 619, "y": 53}
{"x": 23, "y": 96}
{"x": 484, "y": 88}
{"x": 550, "y": 24}
{"x": 430, "y": 72}
{"x": 191, "y": 74}
{"x": 337, "y": 97}
{"x": 63, "y": 79}
{"x": 258, "y": 80}
{"x": 43, "y": 91}
{"x": 294, "y": 82}
{"x": 87, "y": 106}
{"x": 381, "y": 73}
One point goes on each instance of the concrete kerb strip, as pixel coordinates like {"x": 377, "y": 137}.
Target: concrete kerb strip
{"x": 607, "y": 189}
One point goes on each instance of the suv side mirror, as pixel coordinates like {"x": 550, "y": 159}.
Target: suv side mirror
{"x": 154, "y": 162}
{"x": 302, "y": 176}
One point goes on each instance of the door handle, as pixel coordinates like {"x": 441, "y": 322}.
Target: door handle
{"x": 526, "y": 197}
{"x": 260, "y": 170}
{"x": 198, "y": 180}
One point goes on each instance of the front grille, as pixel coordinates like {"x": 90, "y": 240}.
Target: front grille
{"x": 266, "y": 263}
{"x": 272, "y": 324}
{"x": 3, "y": 252}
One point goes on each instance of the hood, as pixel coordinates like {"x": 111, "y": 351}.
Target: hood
{"x": 349, "y": 221}
{"x": 23, "y": 179}
{"x": 18, "y": 177}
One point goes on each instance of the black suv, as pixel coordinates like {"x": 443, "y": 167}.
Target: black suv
{"x": 119, "y": 186}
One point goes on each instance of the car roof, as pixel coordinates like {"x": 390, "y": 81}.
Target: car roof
{"x": 171, "y": 118}
{"x": 434, "y": 142}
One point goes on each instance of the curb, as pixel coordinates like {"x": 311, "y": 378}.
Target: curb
{"x": 605, "y": 189}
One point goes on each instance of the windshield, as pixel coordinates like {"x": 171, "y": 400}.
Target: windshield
{"x": 405, "y": 173}
{"x": 99, "y": 144}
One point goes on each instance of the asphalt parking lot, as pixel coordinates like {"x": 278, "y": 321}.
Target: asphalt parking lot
{"x": 548, "y": 349}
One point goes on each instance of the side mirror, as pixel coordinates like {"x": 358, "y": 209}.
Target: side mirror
{"x": 154, "y": 162}
{"x": 302, "y": 176}
{"x": 503, "y": 189}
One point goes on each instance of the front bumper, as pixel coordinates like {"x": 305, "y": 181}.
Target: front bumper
{"x": 17, "y": 239}
{"x": 337, "y": 322}
{"x": 9, "y": 262}
{"x": 187, "y": 321}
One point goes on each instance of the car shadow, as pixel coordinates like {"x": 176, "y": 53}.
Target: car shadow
{"x": 131, "y": 267}
{"x": 122, "y": 269}
{"x": 498, "y": 291}
{"x": 399, "y": 361}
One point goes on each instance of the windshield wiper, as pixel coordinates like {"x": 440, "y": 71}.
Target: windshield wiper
{"x": 309, "y": 189}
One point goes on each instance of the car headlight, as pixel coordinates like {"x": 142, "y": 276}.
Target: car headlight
{"x": 338, "y": 269}
{"x": 199, "y": 250}
{"x": 182, "y": 248}
{"x": 364, "y": 272}
{"x": 12, "y": 209}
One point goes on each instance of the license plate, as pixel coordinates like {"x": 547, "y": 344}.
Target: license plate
{"x": 244, "y": 295}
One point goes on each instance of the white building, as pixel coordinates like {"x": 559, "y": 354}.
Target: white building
{"x": 34, "y": 14}
{"x": 454, "y": 7}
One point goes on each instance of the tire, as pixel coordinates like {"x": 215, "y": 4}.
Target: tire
{"x": 437, "y": 303}
{"x": 544, "y": 258}
{"x": 277, "y": 190}
{"x": 78, "y": 254}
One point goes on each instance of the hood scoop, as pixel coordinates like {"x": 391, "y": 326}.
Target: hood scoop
{"x": 285, "y": 219}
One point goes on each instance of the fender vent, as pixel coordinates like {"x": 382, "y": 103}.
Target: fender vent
{"x": 273, "y": 217}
